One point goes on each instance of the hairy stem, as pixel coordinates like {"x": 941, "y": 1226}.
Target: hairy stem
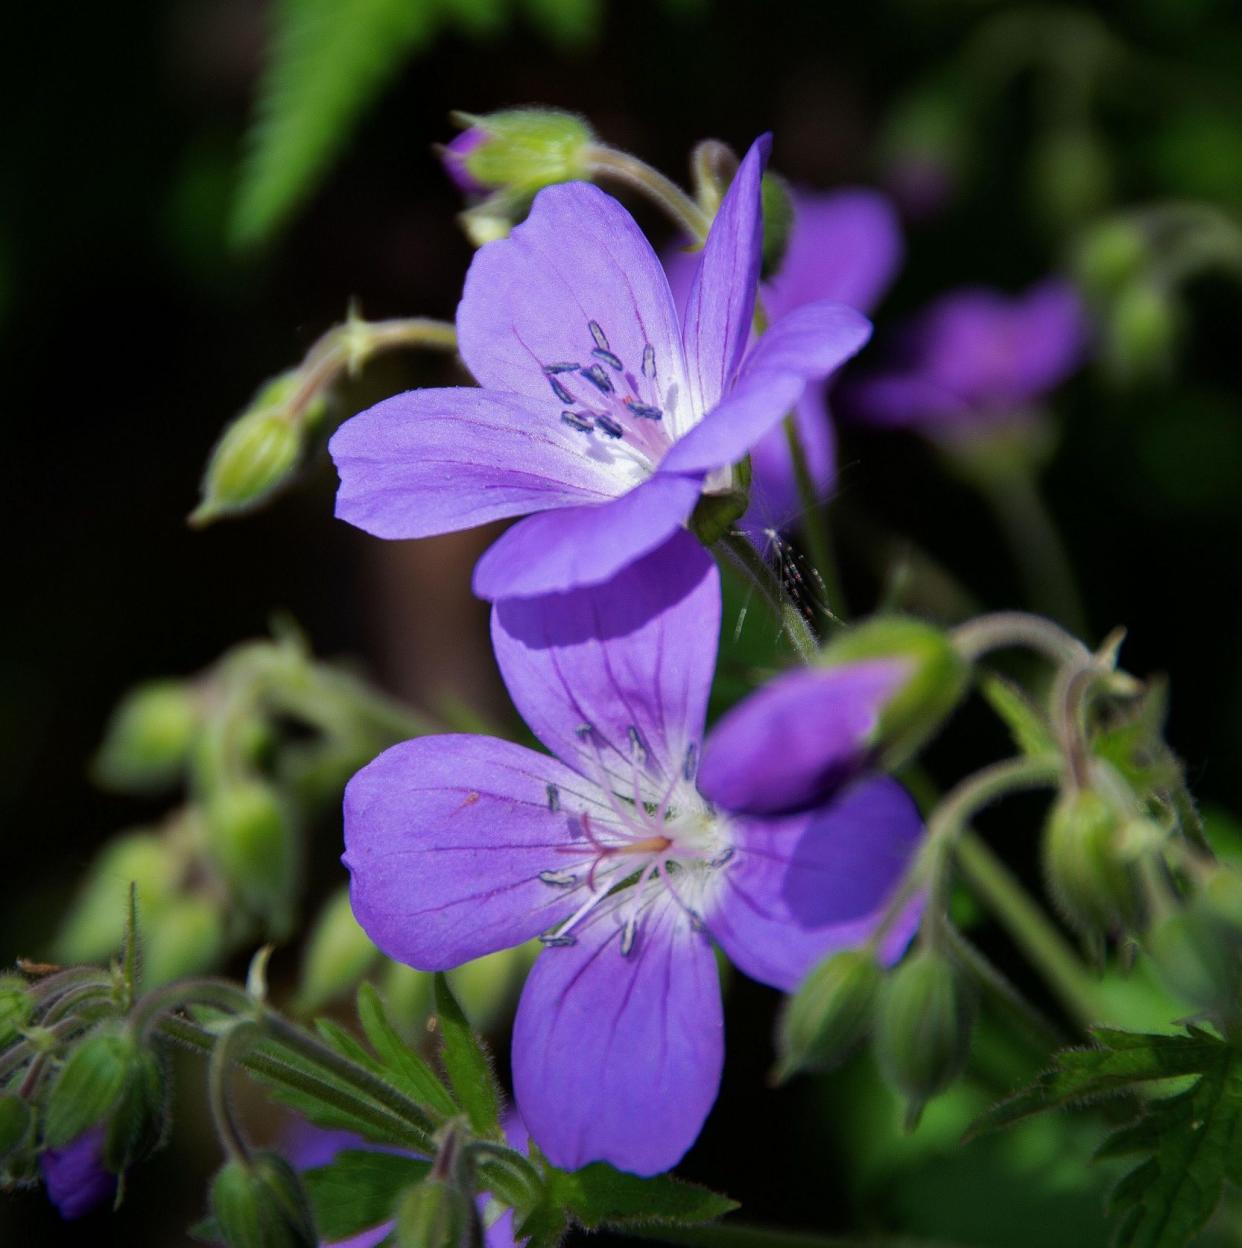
{"x": 815, "y": 524}
{"x": 612, "y": 165}
{"x": 766, "y": 581}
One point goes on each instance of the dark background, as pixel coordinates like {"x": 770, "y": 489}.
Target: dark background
{"x": 132, "y": 332}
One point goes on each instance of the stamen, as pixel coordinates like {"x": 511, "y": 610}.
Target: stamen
{"x": 691, "y": 764}
{"x": 575, "y": 420}
{"x": 560, "y": 391}
{"x": 554, "y": 798}
{"x": 598, "y": 334}
{"x": 598, "y": 378}
{"x": 606, "y": 425}
{"x": 568, "y": 367}
{"x": 613, "y": 361}
{"x": 583, "y": 731}
{"x": 721, "y": 858}
{"x": 553, "y": 941}
{"x": 636, "y": 745}
{"x": 558, "y": 879}
{"x": 644, "y": 410}
{"x": 628, "y": 932}
{"x": 649, "y": 367}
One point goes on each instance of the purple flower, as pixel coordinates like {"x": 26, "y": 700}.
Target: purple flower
{"x": 453, "y": 156}
{"x": 847, "y": 246}
{"x": 976, "y": 358}
{"x": 610, "y": 852}
{"x": 600, "y": 408}
{"x": 75, "y": 1176}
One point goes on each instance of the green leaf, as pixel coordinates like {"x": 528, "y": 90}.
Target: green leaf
{"x": 359, "y": 1190}
{"x": 467, "y": 1064}
{"x": 1026, "y": 722}
{"x": 598, "y": 1195}
{"x": 1120, "y": 1061}
{"x": 347, "y": 1045}
{"x": 401, "y": 1063}
{"x": 328, "y": 61}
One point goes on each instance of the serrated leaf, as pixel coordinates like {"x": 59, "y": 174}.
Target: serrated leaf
{"x": 1027, "y": 724}
{"x": 466, "y": 1063}
{"x": 1120, "y": 1061}
{"x": 599, "y": 1195}
{"x": 358, "y": 1190}
{"x": 402, "y": 1065}
{"x": 328, "y": 60}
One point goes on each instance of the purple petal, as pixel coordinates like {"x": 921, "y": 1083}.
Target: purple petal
{"x": 903, "y": 400}
{"x": 433, "y": 461}
{"x": 802, "y": 886}
{"x": 846, "y": 246}
{"x": 775, "y": 501}
{"x": 530, "y": 299}
{"x": 453, "y": 156}
{"x": 618, "y": 1058}
{"x": 807, "y": 345}
{"x": 445, "y": 839}
{"x": 721, "y": 305}
{"x": 636, "y": 653}
{"x": 582, "y": 546}
{"x": 76, "y": 1179}
{"x": 798, "y": 739}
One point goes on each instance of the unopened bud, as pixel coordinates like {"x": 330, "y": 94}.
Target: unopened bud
{"x": 1109, "y": 255}
{"x": 830, "y": 1013}
{"x": 436, "y": 1214}
{"x": 488, "y": 986}
{"x": 778, "y": 222}
{"x": 186, "y": 937}
{"x": 16, "y": 1005}
{"x": 15, "y": 1119}
{"x": 1088, "y": 877}
{"x": 338, "y": 954}
{"x": 938, "y": 677}
{"x": 1198, "y": 957}
{"x": 258, "y": 452}
{"x": 139, "y": 1119}
{"x": 260, "y": 1203}
{"x": 253, "y": 843}
{"x": 149, "y": 737}
{"x": 90, "y": 1085}
{"x": 519, "y": 149}
{"x": 1071, "y": 175}
{"x": 1143, "y": 329}
{"x": 924, "y": 1020}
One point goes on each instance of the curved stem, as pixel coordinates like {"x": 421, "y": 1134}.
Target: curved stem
{"x": 1003, "y": 629}
{"x": 229, "y": 1048}
{"x": 765, "y": 580}
{"x": 617, "y": 166}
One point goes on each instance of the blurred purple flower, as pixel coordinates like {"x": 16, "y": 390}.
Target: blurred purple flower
{"x": 600, "y": 408}
{"x": 976, "y": 358}
{"x": 75, "y": 1176}
{"x": 845, "y": 245}
{"x": 462, "y": 845}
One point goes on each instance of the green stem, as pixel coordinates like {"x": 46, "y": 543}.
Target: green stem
{"x": 229, "y": 1049}
{"x": 815, "y": 524}
{"x": 1003, "y": 629}
{"x": 617, "y": 166}
{"x": 764, "y": 579}
{"x": 1030, "y": 927}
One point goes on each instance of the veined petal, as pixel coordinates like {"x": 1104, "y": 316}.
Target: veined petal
{"x": 721, "y": 303}
{"x": 579, "y": 546}
{"x": 799, "y": 739}
{"x": 578, "y": 260}
{"x": 617, "y": 1057}
{"x": 807, "y": 345}
{"x": 633, "y": 658}
{"x": 445, "y": 840}
{"x": 802, "y": 886}
{"x": 433, "y": 461}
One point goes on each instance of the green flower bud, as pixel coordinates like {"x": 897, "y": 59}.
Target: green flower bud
{"x": 139, "y": 1119}
{"x": 487, "y": 987}
{"x": 436, "y": 1214}
{"x": 91, "y": 1083}
{"x": 15, "y": 1120}
{"x": 186, "y": 937}
{"x": 148, "y": 738}
{"x": 830, "y": 1013}
{"x": 95, "y": 924}
{"x": 1143, "y": 331}
{"x": 1071, "y": 175}
{"x": 338, "y": 954}
{"x": 1109, "y": 255}
{"x": 938, "y": 678}
{"x": 924, "y": 1020}
{"x": 257, "y": 454}
{"x": 519, "y": 149}
{"x": 1222, "y": 895}
{"x": 1088, "y": 877}
{"x": 16, "y": 1005}
{"x": 778, "y": 222}
{"x": 1199, "y": 956}
{"x": 253, "y": 843}
{"x": 260, "y": 1203}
